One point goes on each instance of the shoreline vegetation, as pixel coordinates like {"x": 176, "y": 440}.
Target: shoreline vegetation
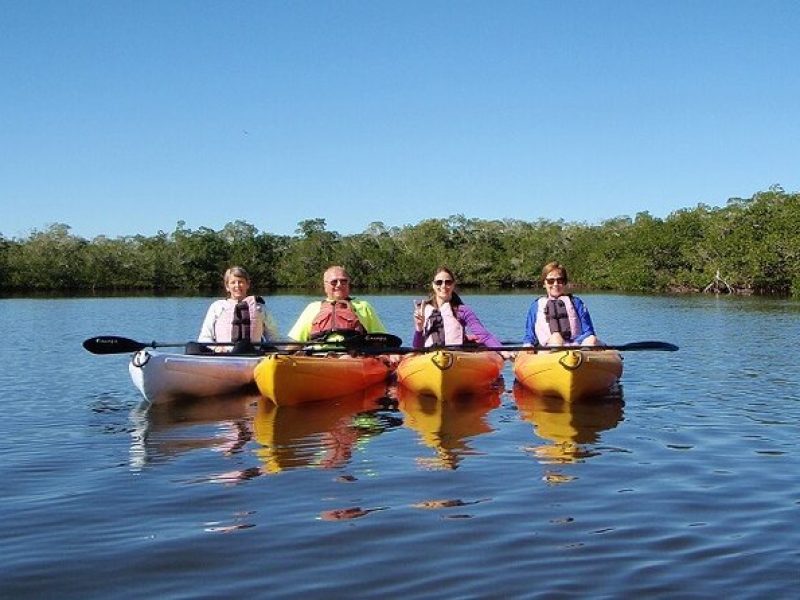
{"x": 749, "y": 246}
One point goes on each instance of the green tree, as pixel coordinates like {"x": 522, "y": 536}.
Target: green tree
{"x": 48, "y": 260}
{"x": 308, "y": 256}
{"x": 5, "y": 250}
{"x": 203, "y": 256}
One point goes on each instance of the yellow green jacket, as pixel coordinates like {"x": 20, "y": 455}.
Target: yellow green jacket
{"x": 301, "y": 330}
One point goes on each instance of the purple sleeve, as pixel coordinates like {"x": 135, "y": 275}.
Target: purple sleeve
{"x": 473, "y": 326}
{"x": 418, "y": 341}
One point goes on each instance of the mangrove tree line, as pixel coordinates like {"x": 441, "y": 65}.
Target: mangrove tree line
{"x": 751, "y": 243}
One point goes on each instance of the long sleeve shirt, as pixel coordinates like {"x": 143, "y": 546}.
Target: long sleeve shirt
{"x": 472, "y": 328}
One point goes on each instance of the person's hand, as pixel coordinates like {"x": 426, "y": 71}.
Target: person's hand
{"x": 419, "y": 315}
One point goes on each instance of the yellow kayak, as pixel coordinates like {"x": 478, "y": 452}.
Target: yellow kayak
{"x": 297, "y": 378}
{"x": 569, "y": 374}
{"x": 449, "y": 374}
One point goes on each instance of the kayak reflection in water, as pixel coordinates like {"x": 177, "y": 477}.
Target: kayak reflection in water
{"x": 572, "y": 429}
{"x": 447, "y": 427}
{"x": 322, "y": 435}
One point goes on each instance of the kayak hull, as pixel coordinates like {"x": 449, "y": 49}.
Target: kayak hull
{"x": 569, "y": 374}
{"x": 164, "y": 377}
{"x": 448, "y": 374}
{"x": 294, "y": 379}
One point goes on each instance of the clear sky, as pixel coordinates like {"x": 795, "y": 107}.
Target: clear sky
{"x": 122, "y": 117}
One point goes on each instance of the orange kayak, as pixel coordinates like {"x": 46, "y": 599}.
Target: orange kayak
{"x": 297, "y": 378}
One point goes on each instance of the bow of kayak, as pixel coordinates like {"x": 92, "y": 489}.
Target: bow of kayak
{"x": 449, "y": 374}
{"x": 298, "y": 378}
{"x": 569, "y": 374}
{"x": 162, "y": 377}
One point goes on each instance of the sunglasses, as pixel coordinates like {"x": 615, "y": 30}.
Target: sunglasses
{"x": 441, "y": 282}
{"x": 552, "y": 280}
{"x": 333, "y": 282}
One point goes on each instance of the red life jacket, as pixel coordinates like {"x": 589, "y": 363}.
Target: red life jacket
{"x": 335, "y": 315}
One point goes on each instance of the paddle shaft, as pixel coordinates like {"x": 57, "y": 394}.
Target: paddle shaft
{"x": 630, "y": 347}
{"x": 112, "y": 344}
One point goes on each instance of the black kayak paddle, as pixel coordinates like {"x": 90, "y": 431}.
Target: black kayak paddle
{"x": 113, "y": 344}
{"x": 511, "y": 347}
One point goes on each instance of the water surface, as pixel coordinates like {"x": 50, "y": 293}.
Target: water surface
{"x": 688, "y": 485}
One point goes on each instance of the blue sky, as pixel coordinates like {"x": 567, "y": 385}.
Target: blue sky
{"x": 124, "y": 117}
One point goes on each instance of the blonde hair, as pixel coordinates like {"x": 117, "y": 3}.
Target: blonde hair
{"x": 236, "y": 272}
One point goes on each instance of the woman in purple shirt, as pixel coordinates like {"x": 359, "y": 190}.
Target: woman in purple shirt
{"x": 443, "y": 319}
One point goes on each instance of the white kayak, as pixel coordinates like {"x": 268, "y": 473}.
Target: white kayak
{"x": 164, "y": 377}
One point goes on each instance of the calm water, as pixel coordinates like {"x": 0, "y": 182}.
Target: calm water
{"x": 689, "y": 486}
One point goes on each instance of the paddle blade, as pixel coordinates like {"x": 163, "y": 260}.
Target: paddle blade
{"x": 351, "y": 340}
{"x": 112, "y": 344}
{"x": 648, "y": 345}
{"x": 631, "y": 347}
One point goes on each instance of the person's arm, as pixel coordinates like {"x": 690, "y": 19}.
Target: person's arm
{"x": 368, "y": 317}
{"x": 207, "y": 328}
{"x": 472, "y": 324}
{"x": 301, "y": 330}
{"x": 530, "y": 326}
{"x": 587, "y": 327}
{"x": 418, "y": 341}
{"x": 270, "y": 328}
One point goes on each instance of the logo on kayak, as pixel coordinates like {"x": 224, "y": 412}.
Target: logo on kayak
{"x": 571, "y": 360}
{"x": 443, "y": 360}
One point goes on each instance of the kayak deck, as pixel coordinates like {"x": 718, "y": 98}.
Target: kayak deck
{"x": 295, "y": 379}
{"x": 569, "y": 374}
{"x": 449, "y": 374}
